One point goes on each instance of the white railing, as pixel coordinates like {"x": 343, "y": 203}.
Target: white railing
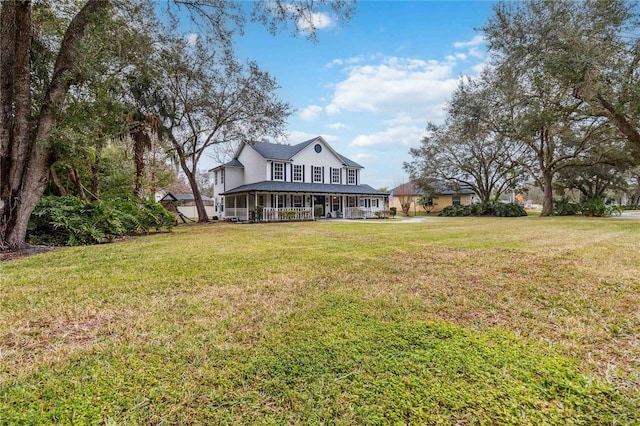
{"x": 234, "y": 213}
{"x": 362, "y": 212}
{"x": 271, "y": 214}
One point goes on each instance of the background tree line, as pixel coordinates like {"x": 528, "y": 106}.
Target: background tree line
{"x": 558, "y": 106}
{"x": 102, "y": 98}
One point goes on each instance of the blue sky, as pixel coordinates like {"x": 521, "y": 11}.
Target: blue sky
{"x": 370, "y": 87}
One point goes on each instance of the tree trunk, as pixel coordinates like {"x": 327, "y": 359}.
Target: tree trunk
{"x": 141, "y": 144}
{"x": 25, "y": 153}
{"x": 77, "y": 181}
{"x": 547, "y": 188}
{"x": 94, "y": 172}
{"x": 197, "y": 197}
{"x": 57, "y": 182}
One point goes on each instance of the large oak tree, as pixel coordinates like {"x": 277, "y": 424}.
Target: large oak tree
{"x": 26, "y": 123}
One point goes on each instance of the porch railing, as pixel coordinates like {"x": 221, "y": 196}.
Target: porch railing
{"x": 271, "y": 214}
{"x": 236, "y": 213}
{"x": 362, "y": 212}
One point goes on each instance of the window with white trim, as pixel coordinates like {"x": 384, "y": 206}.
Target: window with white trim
{"x": 297, "y": 173}
{"x": 297, "y": 201}
{"x": 317, "y": 174}
{"x": 278, "y": 171}
{"x": 351, "y": 177}
{"x": 222, "y": 177}
{"x": 335, "y": 175}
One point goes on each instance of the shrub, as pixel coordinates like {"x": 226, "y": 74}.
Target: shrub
{"x": 592, "y": 207}
{"x": 393, "y": 211}
{"x": 564, "y": 207}
{"x": 289, "y": 214}
{"x": 489, "y": 208}
{"x": 598, "y": 208}
{"x": 455, "y": 210}
{"x": 72, "y": 221}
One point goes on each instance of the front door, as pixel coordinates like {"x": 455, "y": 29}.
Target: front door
{"x": 318, "y": 200}
{"x": 335, "y": 203}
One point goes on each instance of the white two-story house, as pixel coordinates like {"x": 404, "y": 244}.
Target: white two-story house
{"x": 273, "y": 182}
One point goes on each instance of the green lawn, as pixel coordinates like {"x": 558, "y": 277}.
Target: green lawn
{"x": 449, "y": 321}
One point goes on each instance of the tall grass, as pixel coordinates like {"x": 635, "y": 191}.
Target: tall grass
{"x": 467, "y": 321}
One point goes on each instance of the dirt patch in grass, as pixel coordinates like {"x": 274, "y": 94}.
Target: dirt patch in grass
{"x": 29, "y": 251}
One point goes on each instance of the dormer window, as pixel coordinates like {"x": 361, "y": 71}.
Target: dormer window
{"x": 278, "y": 171}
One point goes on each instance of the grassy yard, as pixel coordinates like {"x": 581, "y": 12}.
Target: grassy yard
{"x": 449, "y": 321}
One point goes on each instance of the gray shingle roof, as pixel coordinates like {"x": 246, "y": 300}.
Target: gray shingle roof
{"x": 183, "y": 197}
{"x": 349, "y": 163}
{"x": 320, "y": 188}
{"x": 274, "y": 151}
{"x": 233, "y": 163}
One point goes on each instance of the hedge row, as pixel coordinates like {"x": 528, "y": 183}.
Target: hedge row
{"x": 490, "y": 208}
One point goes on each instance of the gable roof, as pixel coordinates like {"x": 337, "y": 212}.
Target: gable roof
{"x": 275, "y": 151}
{"x": 233, "y": 163}
{"x": 281, "y": 152}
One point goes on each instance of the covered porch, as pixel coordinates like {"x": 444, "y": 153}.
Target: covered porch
{"x": 279, "y": 207}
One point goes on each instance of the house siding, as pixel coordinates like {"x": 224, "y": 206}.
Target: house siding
{"x": 255, "y": 166}
{"x": 233, "y": 177}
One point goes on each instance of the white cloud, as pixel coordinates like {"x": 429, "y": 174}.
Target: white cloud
{"x": 456, "y": 57}
{"x": 354, "y": 60}
{"x": 478, "y": 68}
{"x": 392, "y": 137}
{"x": 311, "y": 112}
{"x": 332, "y": 109}
{"x": 475, "y": 41}
{"x": 316, "y": 21}
{"x": 415, "y": 87}
{"x": 476, "y": 53}
{"x": 337, "y": 126}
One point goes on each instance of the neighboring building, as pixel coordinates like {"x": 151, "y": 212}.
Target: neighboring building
{"x": 186, "y": 204}
{"x": 272, "y": 182}
{"x": 443, "y": 197}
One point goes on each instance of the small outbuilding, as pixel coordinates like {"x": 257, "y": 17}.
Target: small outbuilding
{"x": 185, "y": 204}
